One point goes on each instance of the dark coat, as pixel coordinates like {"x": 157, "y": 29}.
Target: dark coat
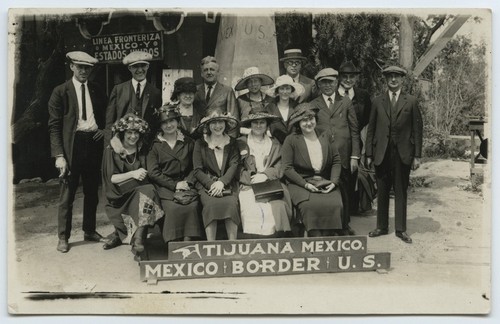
{"x": 166, "y": 166}
{"x": 63, "y": 116}
{"x": 121, "y": 99}
{"x": 279, "y": 127}
{"x": 362, "y": 105}
{"x": 206, "y": 170}
{"x": 297, "y": 166}
{"x": 407, "y": 128}
{"x": 222, "y": 99}
{"x": 343, "y": 123}
{"x": 309, "y": 87}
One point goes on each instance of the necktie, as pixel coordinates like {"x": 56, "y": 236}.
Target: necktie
{"x": 84, "y": 109}
{"x": 208, "y": 93}
{"x": 346, "y": 93}
{"x": 138, "y": 91}
{"x": 393, "y": 105}
{"x": 330, "y": 105}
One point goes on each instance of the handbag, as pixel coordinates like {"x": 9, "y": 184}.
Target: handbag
{"x": 319, "y": 182}
{"x": 129, "y": 185}
{"x": 268, "y": 190}
{"x": 185, "y": 197}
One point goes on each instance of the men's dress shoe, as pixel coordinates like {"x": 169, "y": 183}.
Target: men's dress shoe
{"x": 378, "y": 232}
{"x": 404, "y": 237}
{"x": 349, "y": 231}
{"x": 111, "y": 244}
{"x": 93, "y": 237}
{"x": 63, "y": 246}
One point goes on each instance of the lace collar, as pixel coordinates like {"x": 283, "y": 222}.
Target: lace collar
{"x": 180, "y": 137}
{"x": 226, "y": 139}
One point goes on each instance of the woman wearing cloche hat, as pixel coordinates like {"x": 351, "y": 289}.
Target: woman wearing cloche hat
{"x": 311, "y": 165}
{"x": 170, "y": 168}
{"x": 126, "y": 185}
{"x": 261, "y": 162}
{"x": 285, "y": 91}
{"x": 216, "y": 160}
{"x": 191, "y": 111}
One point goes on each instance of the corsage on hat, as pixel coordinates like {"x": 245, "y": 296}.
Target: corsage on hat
{"x": 130, "y": 122}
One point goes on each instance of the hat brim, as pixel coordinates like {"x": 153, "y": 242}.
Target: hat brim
{"x": 298, "y": 89}
{"x": 298, "y": 57}
{"x": 294, "y": 120}
{"x": 138, "y": 62}
{"x": 247, "y": 122}
{"x": 82, "y": 63}
{"x": 231, "y": 122}
{"x": 266, "y": 80}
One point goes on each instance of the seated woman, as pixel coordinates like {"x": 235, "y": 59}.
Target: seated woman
{"x": 311, "y": 165}
{"x": 254, "y": 99}
{"x": 133, "y": 203}
{"x": 285, "y": 91}
{"x": 191, "y": 112}
{"x": 170, "y": 169}
{"x": 261, "y": 159}
{"x": 216, "y": 161}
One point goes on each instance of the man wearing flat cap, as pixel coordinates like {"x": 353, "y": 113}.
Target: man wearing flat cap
{"x": 292, "y": 61}
{"x": 394, "y": 145}
{"x": 337, "y": 115}
{"x": 76, "y": 124}
{"x": 361, "y": 102}
{"x": 212, "y": 94}
{"x": 136, "y": 96}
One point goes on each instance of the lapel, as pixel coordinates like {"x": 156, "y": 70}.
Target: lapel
{"x": 215, "y": 93}
{"x": 93, "y": 98}
{"x": 145, "y": 97}
{"x": 324, "y": 149}
{"x": 225, "y": 156}
{"x": 165, "y": 148}
{"x": 321, "y": 104}
{"x": 128, "y": 88}
{"x": 337, "y": 105}
{"x": 302, "y": 148}
{"x": 73, "y": 101}
{"x": 400, "y": 104}
{"x": 386, "y": 104}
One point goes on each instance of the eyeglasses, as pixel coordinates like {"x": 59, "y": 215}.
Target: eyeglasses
{"x": 294, "y": 63}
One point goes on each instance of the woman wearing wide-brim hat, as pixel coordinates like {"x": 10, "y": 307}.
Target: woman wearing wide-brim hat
{"x": 255, "y": 99}
{"x": 261, "y": 162}
{"x": 170, "y": 169}
{"x": 191, "y": 111}
{"x": 311, "y": 166}
{"x": 126, "y": 185}
{"x": 216, "y": 161}
{"x": 285, "y": 91}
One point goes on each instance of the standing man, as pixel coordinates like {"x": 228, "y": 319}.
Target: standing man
{"x": 292, "y": 61}
{"x": 214, "y": 95}
{"x": 394, "y": 144}
{"x": 337, "y": 115}
{"x": 349, "y": 76}
{"x": 135, "y": 96}
{"x": 76, "y": 123}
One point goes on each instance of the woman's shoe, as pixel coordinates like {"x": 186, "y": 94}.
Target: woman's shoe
{"x": 111, "y": 244}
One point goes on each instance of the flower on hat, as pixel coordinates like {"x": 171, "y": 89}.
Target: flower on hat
{"x": 130, "y": 122}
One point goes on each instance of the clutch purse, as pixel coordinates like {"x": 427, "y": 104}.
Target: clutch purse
{"x": 319, "y": 182}
{"x": 268, "y": 190}
{"x": 129, "y": 185}
{"x": 185, "y": 197}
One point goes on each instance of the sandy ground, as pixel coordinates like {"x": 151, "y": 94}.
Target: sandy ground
{"x": 445, "y": 270}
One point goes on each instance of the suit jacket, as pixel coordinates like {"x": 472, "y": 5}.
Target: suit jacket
{"x": 407, "y": 128}
{"x": 166, "y": 166}
{"x": 206, "y": 169}
{"x": 272, "y": 162}
{"x": 310, "y": 89}
{"x": 343, "y": 123}
{"x": 362, "y": 105}
{"x": 297, "y": 166}
{"x": 222, "y": 98}
{"x": 279, "y": 127}
{"x": 63, "y": 116}
{"x": 120, "y": 102}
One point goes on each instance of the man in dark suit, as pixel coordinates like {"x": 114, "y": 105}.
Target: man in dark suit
{"x": 361, "y": 102}
{"x": 76, "y": 123}
{"x": 292, "y": 61}
{"x": 135, "y": 96}
{"x": 394, "y": 144}
{"x": 337, "y": 114}
{"x": 214, "y": 95}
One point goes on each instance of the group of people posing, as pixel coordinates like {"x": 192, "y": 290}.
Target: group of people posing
{"x": 195, "y": 164}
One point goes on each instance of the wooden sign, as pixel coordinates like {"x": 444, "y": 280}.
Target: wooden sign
{"x": 168, "y": 270}
{"x": 113, "y": 48}
{"x": 266, "y": 247}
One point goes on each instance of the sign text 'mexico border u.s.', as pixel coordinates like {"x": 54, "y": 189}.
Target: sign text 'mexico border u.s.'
{"x": 264, "y": 257}
{"x": 113, "y": 48}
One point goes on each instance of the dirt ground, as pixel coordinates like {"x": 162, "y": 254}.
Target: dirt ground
{"x": 445, "y": 270}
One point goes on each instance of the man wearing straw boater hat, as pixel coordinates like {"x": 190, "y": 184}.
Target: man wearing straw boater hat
{"x": 394, "y": 144}
{"x": 76, "y": 123}
{"x": 292, "y": 60}
{"x": 136, "y": 96}
{"x": 337, "y": 115}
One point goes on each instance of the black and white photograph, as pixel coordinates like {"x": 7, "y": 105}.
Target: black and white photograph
{"x": 249, "y": 161}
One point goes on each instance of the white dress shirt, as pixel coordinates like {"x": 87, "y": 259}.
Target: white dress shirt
{"x": 88, "y": 125}
{"x": 143, "y": 84}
